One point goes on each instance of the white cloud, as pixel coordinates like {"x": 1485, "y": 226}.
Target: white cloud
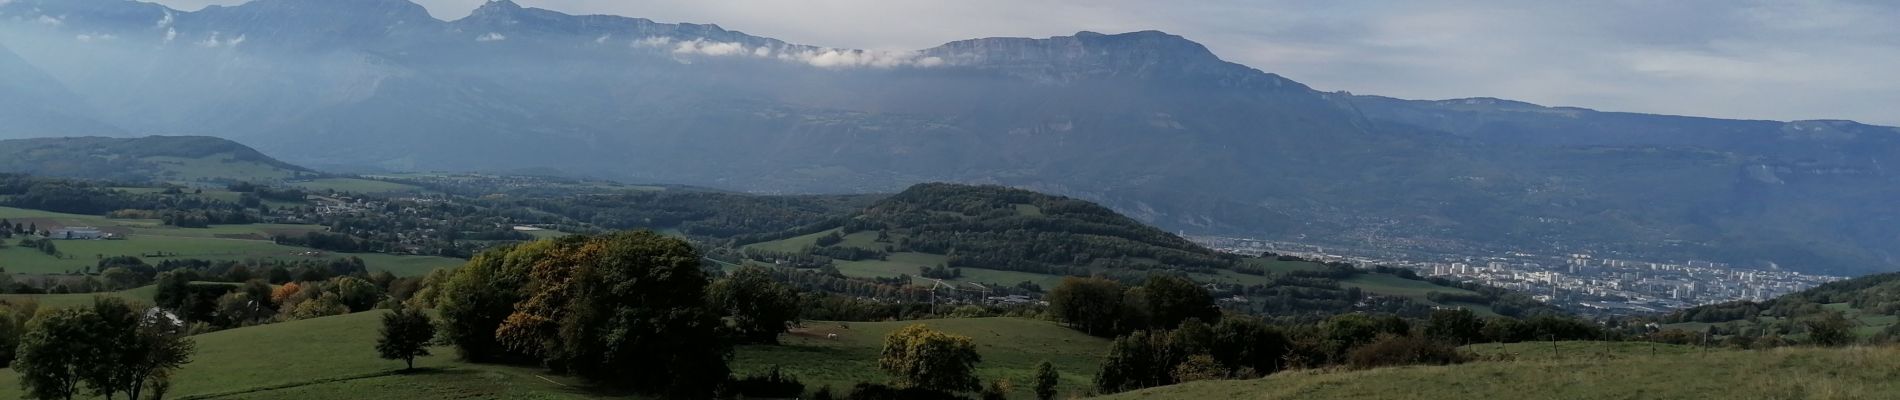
{"x": 602, "y": 39}
{"x": 94, "y": 37}
{"x": 817, "y": 57}
{"x": 170, "y": 34}
{"x": 491, "y": 37}
{"x": 218, "y": 39}
{"x": 164, "y": 22}
{"x": 51, "y": 20}
{"x": 709, "y": 48}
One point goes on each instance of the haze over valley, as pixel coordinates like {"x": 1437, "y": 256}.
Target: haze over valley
{"x": 522, "y": 202}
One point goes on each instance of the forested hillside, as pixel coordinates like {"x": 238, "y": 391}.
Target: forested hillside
{"x": 155, "y": 159}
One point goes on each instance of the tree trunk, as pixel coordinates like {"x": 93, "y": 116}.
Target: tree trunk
{"x": 412, "y": 363}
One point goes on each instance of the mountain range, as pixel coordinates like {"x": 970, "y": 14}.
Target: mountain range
{"x": 1151, "y": 124}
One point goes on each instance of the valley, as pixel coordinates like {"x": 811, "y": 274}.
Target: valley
{"x": 412, "y": 199}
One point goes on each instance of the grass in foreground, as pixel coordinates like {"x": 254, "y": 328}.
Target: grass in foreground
{"x": 1789, "y": 373}
{"x": 335, "y": 357}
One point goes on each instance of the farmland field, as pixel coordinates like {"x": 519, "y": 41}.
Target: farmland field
{"x": 146, "y": 237}
{"x": 1627, "y": 371}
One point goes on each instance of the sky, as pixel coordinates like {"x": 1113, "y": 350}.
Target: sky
{"x": 1744, "y": 59}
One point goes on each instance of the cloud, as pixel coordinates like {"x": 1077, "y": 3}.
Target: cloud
{"x": 709, "y": 48}
{"x": 164, "y": 22}
{"x": 217, "y": 40}
{"x": 491, "y": 37}
{"x": 840, "y": 58}
{"x": 170, "y": 34}
{"x": 51, "y": 20}
{"x": 96, "y": 37}
{"x": 816, "y": 57}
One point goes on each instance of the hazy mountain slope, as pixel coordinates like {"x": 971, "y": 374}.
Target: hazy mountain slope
{"x": 1150, "y": 124}
{"x": 182, "y": 159}
{"x": 34, "y": 104}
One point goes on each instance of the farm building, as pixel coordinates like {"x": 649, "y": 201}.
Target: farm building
{"x": 76, "y": 233}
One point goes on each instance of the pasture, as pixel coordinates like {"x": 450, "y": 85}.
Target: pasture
{"x": 148, "y": 238}
{"x": 1629, "y": 373}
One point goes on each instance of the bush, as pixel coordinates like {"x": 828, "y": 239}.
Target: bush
{"x": 771, "y": 385}
{"x": 872, "y": 391}
{"x": 1391, "y": 350}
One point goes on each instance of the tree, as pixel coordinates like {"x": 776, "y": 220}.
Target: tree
{"x": 357, "y": 294}
{"x": 1172, "y": 300}
{"x": 1093, "y": 305}
{"x": 758, "y": 307}
{"x": 1199, "y": 367}
{"x": 160, "y": 350}
{"x": 1830, "y": 328}
{"x": 55, "y": 353}
{"x": 625, "y": 309}
{"x": 1458, "y": 326}
{"x": 1046, "y": 380}
{"x": 406, "y": 334}
{"x": 120, "y": 278}
{"x": 116, "y": 346}
{"x": 923, "y": 358}
{"x": 12, "y": 326}
{"x": 475, "y": 300}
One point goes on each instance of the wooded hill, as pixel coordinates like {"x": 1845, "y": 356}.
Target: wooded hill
{"x": 153, "y": 159}
{"x": 1002, "y": 240}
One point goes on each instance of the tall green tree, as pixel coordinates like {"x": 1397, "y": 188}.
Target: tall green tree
{"x": 1172, "y": 300}
{"x": 160, "y": 348}
{"x": 405, "y": 336}
{"x": 56, "y": 352}
{"x": 477, "y": 297}
{"x": 1092, "y": 305}
{"x": 758, "y": 308}
{"x": 1046, "y": 380}
{"x": 923, "y": 358}
{"x": 1458, "y": 326}
{"x": 626, "y": 310}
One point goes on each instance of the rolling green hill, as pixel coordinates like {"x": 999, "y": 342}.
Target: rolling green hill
{"x": 1871, "y": 305}
{"x": 320, "y": 358}
{"x": 1592, "y": 371}
{"x": 187, "y": 160}
{"x": 986, "y": 236}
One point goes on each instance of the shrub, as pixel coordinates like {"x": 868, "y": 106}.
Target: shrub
{"x": 771, "y": 385}
{"x": 1391, "y": 350}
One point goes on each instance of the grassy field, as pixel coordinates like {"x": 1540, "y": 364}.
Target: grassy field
{"x": 221, "y": 242}
{"x": 1866, "y": 323}
{"x": 1011, "y": 348}
{"x": 194, "y": 171}
{"x": 326, "y": 357}
{"x": 1789, "y": 373}
{"x": 141, "y": 295}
